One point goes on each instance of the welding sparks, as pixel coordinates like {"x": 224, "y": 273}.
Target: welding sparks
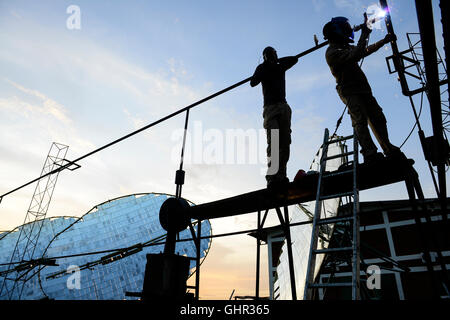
{"x": 375, "y": 14}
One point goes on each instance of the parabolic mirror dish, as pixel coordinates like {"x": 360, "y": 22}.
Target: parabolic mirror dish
{"x": 130, "y": 223}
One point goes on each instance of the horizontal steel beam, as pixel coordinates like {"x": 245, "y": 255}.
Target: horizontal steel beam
{"x": 386, "y": 171}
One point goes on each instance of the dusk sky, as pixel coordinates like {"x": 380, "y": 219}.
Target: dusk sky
{"x": 132, "y": 62}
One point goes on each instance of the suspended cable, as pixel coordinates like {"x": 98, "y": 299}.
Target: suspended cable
{"x": 150, "y": 244}
{"x": 417, "y": 119}
{"x": 422, "y": 137}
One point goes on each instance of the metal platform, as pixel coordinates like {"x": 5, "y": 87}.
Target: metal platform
{"x": 382, "y": 173}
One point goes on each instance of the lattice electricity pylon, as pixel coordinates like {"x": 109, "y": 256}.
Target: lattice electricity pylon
{"x": 22, "y": 256}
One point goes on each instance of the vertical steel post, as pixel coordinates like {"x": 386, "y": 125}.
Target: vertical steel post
{"x": 426, "y": 26}
{"x": 258, "y": 255}
{"x": 287, "y": 233}
{"x": 169, "y": 245}
{"x": 197, "y": 260}
{"x": 356, "y": 294}
{"x": 179, "y": 176}
{"x": 291, "y": 258}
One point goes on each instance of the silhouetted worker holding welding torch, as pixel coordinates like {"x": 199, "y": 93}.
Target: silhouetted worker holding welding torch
{"x": 353, "y": 87}
{"x": 276, "y": 114}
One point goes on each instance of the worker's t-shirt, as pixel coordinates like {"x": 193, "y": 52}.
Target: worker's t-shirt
{"x": 343, "y": 62}
{"x": 272, "y": 77}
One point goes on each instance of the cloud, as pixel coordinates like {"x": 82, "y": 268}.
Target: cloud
{"x": 48, "y": 106}
{"x": 80, "y": 62}
{"x": 36, "y": 119}
{"x": 177, "y": 67}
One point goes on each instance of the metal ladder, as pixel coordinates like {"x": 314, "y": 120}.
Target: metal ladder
{"x": 317, "y": 221}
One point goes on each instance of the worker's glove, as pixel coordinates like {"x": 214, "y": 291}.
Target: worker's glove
{"x": 389, "y": 38}
{"x": 364, "y": 28}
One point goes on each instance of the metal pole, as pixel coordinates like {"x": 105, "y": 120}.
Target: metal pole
{"x": 197, "y": 260}
{"x": 398, "y": 62}
{"x": 287, "y": 233}
{"x": 179, "y": 176}
{"x": 356, "y": 295}
{"x": 269, "y": 264}
{"x": 426, "y": 26}
{"x": 258, "y": 254}
{"x": 169, "y": 246}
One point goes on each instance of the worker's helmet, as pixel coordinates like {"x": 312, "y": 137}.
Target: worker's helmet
{"x": 270, "y": 54}
{"x": 338, "y": 29}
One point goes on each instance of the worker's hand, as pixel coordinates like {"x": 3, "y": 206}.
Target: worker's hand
{"x": 364, "y": 28}
{"x": 389, "y": 38}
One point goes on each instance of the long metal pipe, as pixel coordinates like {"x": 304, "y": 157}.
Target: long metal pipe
{"x": 74, "y": 162}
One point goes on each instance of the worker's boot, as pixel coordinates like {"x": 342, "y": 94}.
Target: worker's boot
{"x": 395, "y": 153}
{"x": 278, "y": 184}
{"x": 381, "y": 133}
{"x": 373, "y": 158}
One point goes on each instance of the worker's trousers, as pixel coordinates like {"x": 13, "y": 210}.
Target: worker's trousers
{"x": 277, "y": 122}
{"x": 364, "y": 110}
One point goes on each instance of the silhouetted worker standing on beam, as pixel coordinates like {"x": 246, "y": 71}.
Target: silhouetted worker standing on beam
{"x": 353, "y": 87}
{"x": 276, "y": 114}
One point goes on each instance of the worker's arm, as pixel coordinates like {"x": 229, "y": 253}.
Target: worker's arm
{"x": 287, "y": 62}
{"x": 257, "y": 76}
{"x": 377, "y": 45}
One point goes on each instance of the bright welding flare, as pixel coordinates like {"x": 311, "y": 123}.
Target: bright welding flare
{"x": 382, "y": 13}
{"x": 376, "y": 14}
